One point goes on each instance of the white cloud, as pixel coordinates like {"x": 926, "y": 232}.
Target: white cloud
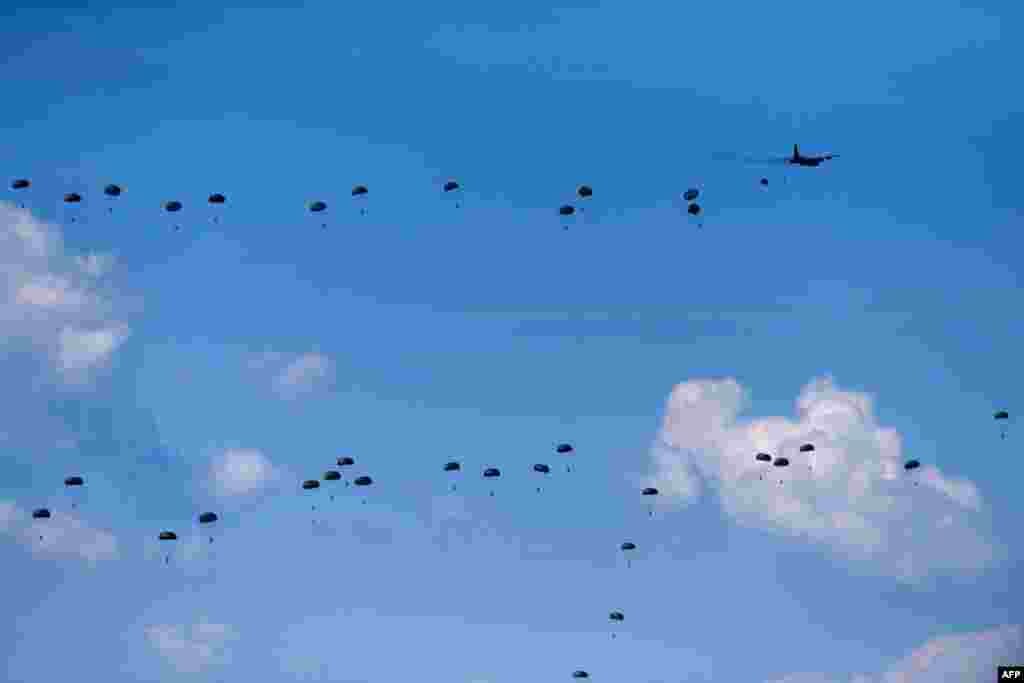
{"x": 966, "y": 657}
{"x": 62, "y": 535}
{"x": 52, "y": 303}
{"x": 293, "y": 376}
{"x": 191, "y": 649}
{"x": 241, "y": 472}
{"x": 857, "y": 500}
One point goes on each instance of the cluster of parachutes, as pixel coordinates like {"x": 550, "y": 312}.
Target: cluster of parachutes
{"x": 450, "y": 189}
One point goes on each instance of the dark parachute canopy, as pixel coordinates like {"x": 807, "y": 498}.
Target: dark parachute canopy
{"x": 346, "y": 461}
{"x": 807, "y": 448}
{"x": 781, "y": 462}
{"x": 72, "y": 198}
{"x": 74, "y": 481}
{"x": 208, "y": 518}
{"x": 332, "y": 475}
{"x": 580, "y": 674}
{"x": 172, "y": 206}
{"x": 649, "y": 491}
{"x": 691, "y": 194}
{"x": 217, "y": 198}
{"x": 1002, "y": 415}
{"x": 542, "y": 468}
{"x": 566, "y": 210}
{"x": 584, "y": 191}
{"x": 112, "y": 190}
{"x": 452, "y": 466}
{"x": 41, "y": 513}
{"x": 450, "y": 186}
{"x": 911, "y": 465}
{"x": 627, "y": 545}
{"x": 310, "y": 484}
{"x": 763, "y": 457}
{"x": 168, "y": 536}
{"x": 363, "y": 481}
{"x": 764, "y": 182}
{"x": 21, "y": 184}
{"x": 360, "y": 190}
{"x": 492, "y": 472}
{"x": 693, "y": 209}
{"x": 317, "y": 206}
{"x": 564, "y": 448}
{"x": 617, "y": 616}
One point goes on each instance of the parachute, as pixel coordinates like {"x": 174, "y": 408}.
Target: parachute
{"x": 452, "y": 188}
{"x": 808, "y": 448}
{"x": 541, "y": 468}
{"x": 453, "y": 466}
{"x": 206, "y": 519}
{"x": 332, "y": 475}
{"x": 781, "y": 462}
{"x": 910, "y": 466}
{"x": 650, "y": 491}
{"x": 216, "y": 199}
{"x": 363, "y": 481}
{"x": 565, "y": 449}
{"x": 1002, "y": 416}
{"x": 628, "y": 547}
{"x": 112, "y": 191}
{"x": 41, "y": 513}
{"x": 584, "y": 192}
{"x": 566, "y": 212}
{"x": 763, "y": 457}
{"x": 360, "y": 192}
{"x": 580, "y": 674}
{"x": 21, "y": 184}
{"x": 73, "y": 198}
{"x": 74, "y": 484}
{"x": 168, "y": 536}
{"x": 617, "y": 618}
{"x": 317, "y": 207}
{"x": 492, "y": 473}
{"x": 173, "y": 207}
{"x": 764, "y": 182}
{"x": 691, "y": 194}
{"x": 310, "y": 484}
{"x": 346, "y": 461}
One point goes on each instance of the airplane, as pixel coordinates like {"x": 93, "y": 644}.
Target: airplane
{"x": 799, "y": 160}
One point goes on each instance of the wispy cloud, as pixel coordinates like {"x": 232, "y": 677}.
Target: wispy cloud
{"x": 191, "y": 648}
{"x": 857, "y": 499}
{"x": 293, "y": 376}
{"x": 242, "y": 472}
{"x": 62, "y": 535}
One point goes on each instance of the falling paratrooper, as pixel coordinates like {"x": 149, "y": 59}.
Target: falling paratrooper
{"x": 565, "y": 449}
{"x": 41, "y": 513}
{"x": 453, "y": 467}
{"x": 74, "y": 484}
{"x": 206, "y": 519}
{"x": 167, "y": 536}
{"x": 765, "y": 458}
{"x": 453, "y": 190}
{"x": 616, "y": 618}
{"x": 650, "y": 491}
{"x": 173, "y": 206}
{"x": 542, "y": 469}
{"x": 1002, "y": 417}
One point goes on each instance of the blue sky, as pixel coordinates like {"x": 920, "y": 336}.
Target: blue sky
{"x": 218, "y": 366}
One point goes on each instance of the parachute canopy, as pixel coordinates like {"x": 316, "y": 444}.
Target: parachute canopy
{"x": 564, "y": 448}
{"x": 617, "y": 616}
{"x": 74, "y": 481}
{"x": 450, "y": 186}
{"x": 628, "y": 546}
{"x": 208, "y": 518}
{"x": 168, "y": 536}
{"x": 172, "y": 206}
{"x": 580, "y": 674}
{"x": 310, "y": 484}
{"x": 807, "y": 448}
{"x": 363, "y": 481}
{"x": 649, "y": 491}
{"x": 20, "y": 184}
{"x": 345, "y": 461}
{"x": 566, "y": 210}
{"x": 112, "y": 190}
{"x": 452, "y": 466}
{"x": 217, "y": 198}
{"x": 693, "y": 209}
{"x": 492, "y": 472}
{"x": 911, "y": 465}
{"x": 781, "y": 462}
{"x": 691, "y": 194}
{"x": 764, "y": 181}
{"x": 72, "y": 198}
{"x": 359, "y": 190}
{"x": 542, "y": 468}
{"x": 317, "y": 207}
{"x": 1002, "y": 415}
{"x": 332, "y": 475}
{"x": 763, "y": 457}
{"x": 584, "y": 191}
{"x": 41, "y": 513}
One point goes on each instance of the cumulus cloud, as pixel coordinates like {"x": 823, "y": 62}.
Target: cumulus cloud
{"x": 63, "y": 535}
{"x": 293, "y": 376}
{"x": 959, "y": 657}
{"x": 242, "y": 472}
{"x": 191, "y": 649}
{"x": 851, "y": 494}
{"x": 54, "y": 303}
